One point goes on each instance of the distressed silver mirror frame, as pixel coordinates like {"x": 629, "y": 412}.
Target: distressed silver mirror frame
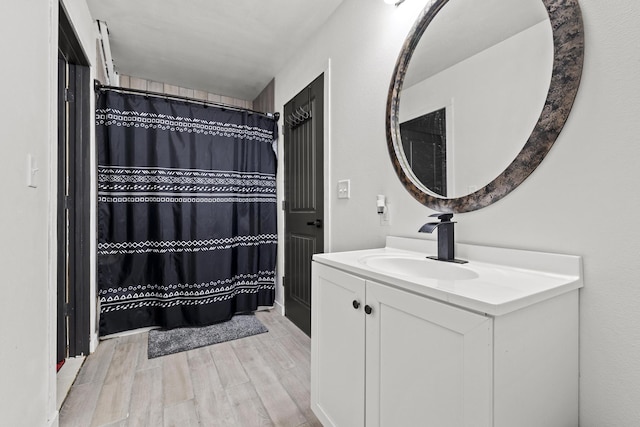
{"x": 568, "y": 42}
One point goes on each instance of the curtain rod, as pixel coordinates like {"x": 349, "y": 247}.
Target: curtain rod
{"x": 100, "y": 86}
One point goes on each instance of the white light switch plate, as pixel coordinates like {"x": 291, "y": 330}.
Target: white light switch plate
{"x": 344, "y": 189}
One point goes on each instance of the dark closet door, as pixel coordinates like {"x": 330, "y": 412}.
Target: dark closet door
{"x": 304, "y": 198}
{"x": 62, "y": 333}
{"x": 73, "y": 212}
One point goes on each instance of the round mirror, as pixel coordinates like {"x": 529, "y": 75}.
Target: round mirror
{"x": 479, "y": 94}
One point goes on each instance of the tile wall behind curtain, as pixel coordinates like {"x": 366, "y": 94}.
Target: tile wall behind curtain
{"x": 131, "y": 82}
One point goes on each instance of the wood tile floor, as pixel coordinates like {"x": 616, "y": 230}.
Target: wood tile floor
{"x": 262, "y": 380}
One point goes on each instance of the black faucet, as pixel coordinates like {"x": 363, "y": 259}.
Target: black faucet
{"x": 446, "y": 242}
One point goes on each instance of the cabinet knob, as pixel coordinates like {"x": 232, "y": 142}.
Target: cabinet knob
{"x": 368, "y": 309}
{"x": 356, "y": 304}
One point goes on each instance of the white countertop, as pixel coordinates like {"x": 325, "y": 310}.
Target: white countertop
{"x": 507, "y": 279}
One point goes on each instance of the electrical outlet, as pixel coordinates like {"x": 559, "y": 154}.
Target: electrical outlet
{"x": 384, "y": 217}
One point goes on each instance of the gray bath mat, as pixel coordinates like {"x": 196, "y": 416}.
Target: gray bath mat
{"x": 176, "y": 340}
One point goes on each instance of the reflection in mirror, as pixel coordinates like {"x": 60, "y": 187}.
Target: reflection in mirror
{"x": 481, "y": 71}
{"x": 424, "y": 141}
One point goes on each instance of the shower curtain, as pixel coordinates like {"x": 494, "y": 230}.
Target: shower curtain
{"x": 186, "y": 212}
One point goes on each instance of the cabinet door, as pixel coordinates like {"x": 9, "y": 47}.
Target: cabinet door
{"x": 337, "y": 347}
{"x": 428, "y": 363}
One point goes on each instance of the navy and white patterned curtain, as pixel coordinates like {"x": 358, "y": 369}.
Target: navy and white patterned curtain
{"x": 186, "y": 212}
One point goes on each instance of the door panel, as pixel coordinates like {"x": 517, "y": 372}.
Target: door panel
{"x": 302, "y": 247}
{"x": 304, "y": 203}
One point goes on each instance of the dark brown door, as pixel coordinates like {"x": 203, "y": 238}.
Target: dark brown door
{"x": 62, "y": 316}
{"x": 73, "y": 215}
{"x": 304, "y": 203}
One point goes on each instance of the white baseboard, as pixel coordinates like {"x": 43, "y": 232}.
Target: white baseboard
{"x": 279, "y": 307}
{"x": 129, "y": 332}
{"x": 54, "y": 421}
{"x": 93, "y": 343}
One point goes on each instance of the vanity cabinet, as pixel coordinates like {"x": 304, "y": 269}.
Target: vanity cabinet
{"x": 384, "y": 356}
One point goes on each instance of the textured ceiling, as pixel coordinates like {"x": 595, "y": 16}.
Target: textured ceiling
{"x": 228, "y": 47}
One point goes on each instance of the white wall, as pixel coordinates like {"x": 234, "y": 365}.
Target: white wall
{"x": 25, "y": 128}
{"x": 28, "y": 45}
{"x": 581, "y": 200}
{"x": 494, "y": 105}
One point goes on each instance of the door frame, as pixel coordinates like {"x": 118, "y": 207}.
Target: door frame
{"x": 73, "y": 260}
{"x": 302, "y": 82}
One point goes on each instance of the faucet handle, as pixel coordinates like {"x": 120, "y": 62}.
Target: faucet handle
{"x": 444, "y": 217}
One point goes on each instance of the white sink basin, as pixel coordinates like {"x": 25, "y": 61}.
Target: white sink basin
{"x": 418, "y": 267}
{"x": 496, "y": 281}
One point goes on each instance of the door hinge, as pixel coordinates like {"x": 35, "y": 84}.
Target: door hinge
{"x": 284, "y": 205}
{"x": 283, "y": 282}
{"x": 68, "y": 95}
{"x": 67, "y": 202}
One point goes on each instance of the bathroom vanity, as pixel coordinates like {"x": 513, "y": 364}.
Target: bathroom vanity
{"x": 401, "y": 340}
